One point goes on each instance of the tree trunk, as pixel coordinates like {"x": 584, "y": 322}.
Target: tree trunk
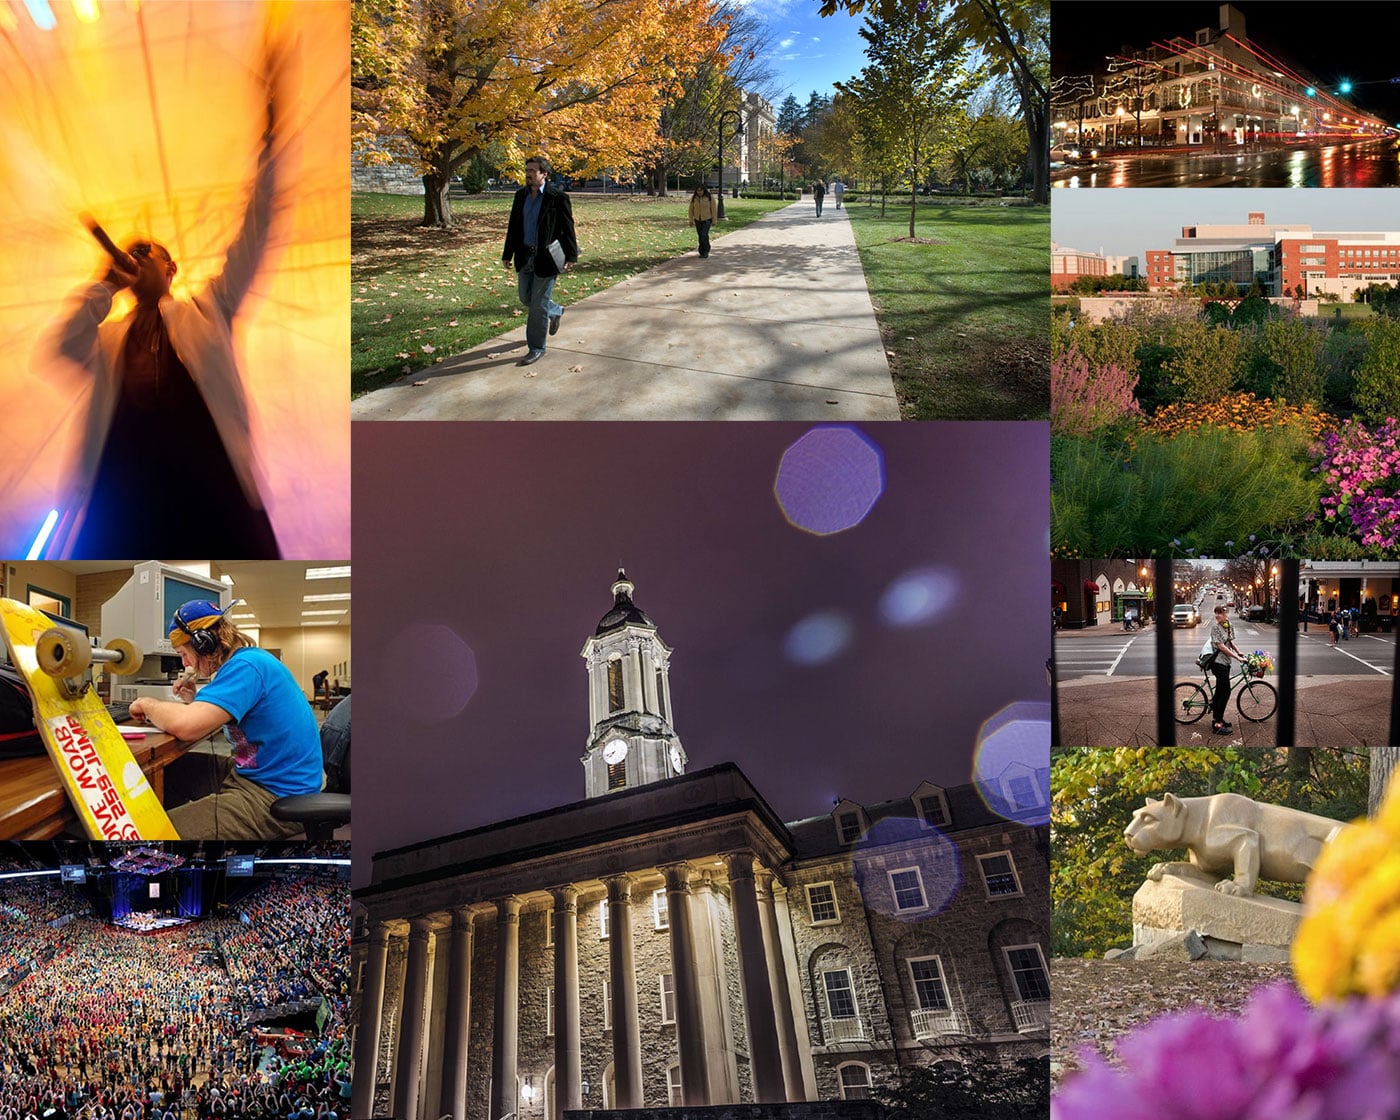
{"x": 913, "y": 204}
{"x": 1384, "y": 761}
{"x": 437, "y": 210}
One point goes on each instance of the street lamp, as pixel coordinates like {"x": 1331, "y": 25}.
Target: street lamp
{"x": 738, "y": 131}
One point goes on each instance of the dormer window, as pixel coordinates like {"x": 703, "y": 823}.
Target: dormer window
{"x": 849, "y": 826}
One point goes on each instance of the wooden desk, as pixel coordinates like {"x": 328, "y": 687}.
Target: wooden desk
{"x": 33, "y": 805}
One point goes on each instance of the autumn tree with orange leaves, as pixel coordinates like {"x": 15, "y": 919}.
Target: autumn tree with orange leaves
{"x": 435, "y": 82}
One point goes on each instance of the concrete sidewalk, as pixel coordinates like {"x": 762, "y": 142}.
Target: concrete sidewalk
{"x": 776, "y": 325}
{"x": 1333, "y": 711}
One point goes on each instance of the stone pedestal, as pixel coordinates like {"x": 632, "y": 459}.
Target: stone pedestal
{"x": 1255, "y": 928}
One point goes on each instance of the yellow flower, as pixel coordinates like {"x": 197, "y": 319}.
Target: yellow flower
{"x": 1349, "y": 940}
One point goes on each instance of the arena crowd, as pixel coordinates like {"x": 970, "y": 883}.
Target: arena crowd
{"x": 101, "y": 1023}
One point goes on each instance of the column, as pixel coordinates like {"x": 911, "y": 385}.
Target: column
{"x": 778, "y": 983}
{"x": 415, "y": 992}
{"x": 632, "y": 677}
{"x": 627, "y": 1041}
{"x": 371, "y": 1016}
{"x": 459, "y": 999}
{"x": 690, "y": 1033}
{"x": 764, "y": 1056}
{"x": 507, "y": 1007}
{"x": 568, "y": 1092}
{"x": 648, "y": 681}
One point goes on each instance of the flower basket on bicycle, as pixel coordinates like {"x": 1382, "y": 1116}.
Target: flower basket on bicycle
{"x": 1258, "y": 663}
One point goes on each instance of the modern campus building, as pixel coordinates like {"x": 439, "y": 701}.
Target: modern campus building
{"x": 1212, "y": 88}
{"x": 1283, "y": 259}
{"x": 670, "y": 940}
{"x": 1068, "y": 265}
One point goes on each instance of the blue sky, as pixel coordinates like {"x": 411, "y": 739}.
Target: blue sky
{"x": 809, "y": 52}
{"x": 1131, "y": 221}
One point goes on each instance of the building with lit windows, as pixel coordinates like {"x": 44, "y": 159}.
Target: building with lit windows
{"x": 1213, "y": 88}
{"x": 668, "y": 940}
{"x": 1284, "y": 260}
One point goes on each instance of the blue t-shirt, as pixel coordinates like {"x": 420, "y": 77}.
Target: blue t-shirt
{"x": 273, "y": 732}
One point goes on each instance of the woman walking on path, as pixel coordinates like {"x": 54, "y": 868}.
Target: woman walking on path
{"x": 702, "y": 213}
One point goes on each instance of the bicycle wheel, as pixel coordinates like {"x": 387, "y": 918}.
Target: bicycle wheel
{"x": 1191, "y": 703}
{"x": 1257, "y": 701}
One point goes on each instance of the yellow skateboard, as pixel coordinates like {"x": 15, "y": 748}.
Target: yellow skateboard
{"x": 104, "y": 782}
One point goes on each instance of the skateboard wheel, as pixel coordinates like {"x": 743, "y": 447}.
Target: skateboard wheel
{"x": 61, "y": 654}
{"x": 128, "y": 663}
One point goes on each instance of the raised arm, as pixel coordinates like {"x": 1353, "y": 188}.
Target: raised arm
{"x": 246, "y": 252}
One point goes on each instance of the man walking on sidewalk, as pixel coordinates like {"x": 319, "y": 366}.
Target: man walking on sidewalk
{"x": 541, "y": 224}
{"x": 819, "y": 190}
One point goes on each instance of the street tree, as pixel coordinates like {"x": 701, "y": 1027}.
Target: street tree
{"x": 914, "y": 83}
{"x": 952, "y": 1090}
{"x": 1014, "y": 37}
{"x": 435, "y": 82}
{"x": 1384, "y": 761}
{"x": 738, "y": 63}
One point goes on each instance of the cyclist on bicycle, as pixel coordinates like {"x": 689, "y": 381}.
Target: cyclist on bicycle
{"x": 1222, "y": 638}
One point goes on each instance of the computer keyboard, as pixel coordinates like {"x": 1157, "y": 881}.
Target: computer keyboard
{"x": 120, "y": 713}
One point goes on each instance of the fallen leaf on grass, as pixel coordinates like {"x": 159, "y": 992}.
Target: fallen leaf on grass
{"x": 428, "y": 348}
{"x": 403, "y": 354}
{"x": 498, "y": 323}
{"x": 452, "y": 322}
{"x": 517, "y": 312}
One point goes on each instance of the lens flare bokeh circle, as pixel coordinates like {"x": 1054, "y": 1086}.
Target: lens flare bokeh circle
{"x": 829, "y": 480}
{"x": 1011, "y": 765}
{"x": 431, "y": 672}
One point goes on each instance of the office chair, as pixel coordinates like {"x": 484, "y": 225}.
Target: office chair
{"x": 320, "y": 814}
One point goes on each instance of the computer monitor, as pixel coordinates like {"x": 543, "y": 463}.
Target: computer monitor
{"x": 140, "y": 612}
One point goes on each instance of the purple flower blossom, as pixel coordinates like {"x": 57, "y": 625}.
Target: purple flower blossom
{"x": 1282, "y": 1058}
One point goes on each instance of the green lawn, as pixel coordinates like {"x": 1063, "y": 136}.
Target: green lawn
{"x": 1344, "y": 311}
{"x": 419, "y": 295}
{"x": 965, "y": 317}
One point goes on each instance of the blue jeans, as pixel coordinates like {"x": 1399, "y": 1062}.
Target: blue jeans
{"x": 702, "y": 227}
{"x": 535, "y": 293}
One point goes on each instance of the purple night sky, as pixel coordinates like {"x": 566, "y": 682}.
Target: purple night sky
{"x": 499, "y": 555}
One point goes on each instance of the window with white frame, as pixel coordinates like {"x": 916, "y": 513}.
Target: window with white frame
{"x": 999, "y": 875}
{"x": 607, "y": 1005}
{"x": 840, "y": 997}
{"x": 855, "y": 1081}
{"x": 673, "y": 1086}
{"x": 929, "y": 987}
{"x": 908, "y": 887}
{"x": 1023, "y": 792}
{"x": 668, "y": 997}
{"x": 933, "y": 809}
{"x": 821, "y": 904}
{"x": 549, "y": 1011}
{"x": 1027, "y": 965}
{"x": 604, "y": 915}
{"x": 848, "y": 824}
{"x": 661, "y": 908}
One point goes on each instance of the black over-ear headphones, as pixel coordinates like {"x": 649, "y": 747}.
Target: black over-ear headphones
{"x": 204, "y": 640}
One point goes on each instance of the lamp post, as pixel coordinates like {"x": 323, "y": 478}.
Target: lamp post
{"x": 738, "y": 131}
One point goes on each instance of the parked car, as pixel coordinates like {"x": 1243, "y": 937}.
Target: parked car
{"x": 1256, "y": 612}
{"x": 1184, "y": 614}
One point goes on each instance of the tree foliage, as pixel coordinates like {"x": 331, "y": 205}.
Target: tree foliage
{"x": 915, "y": 80}
{"x": 1095, "y": 792}
{"x": 434, "y": 82}
{"x": 1020, "y": 1091}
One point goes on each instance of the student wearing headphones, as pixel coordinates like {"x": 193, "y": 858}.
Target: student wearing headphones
{"x": 255, "y": 699}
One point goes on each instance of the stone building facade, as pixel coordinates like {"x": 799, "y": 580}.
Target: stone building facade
{"x": 669, "y": 940}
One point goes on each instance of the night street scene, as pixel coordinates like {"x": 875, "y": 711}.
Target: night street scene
{"x": 1343, "y": 620}
{"x": 1220, "y": 95}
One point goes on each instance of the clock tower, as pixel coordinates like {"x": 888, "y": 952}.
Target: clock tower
{"x": 630, "y": 741}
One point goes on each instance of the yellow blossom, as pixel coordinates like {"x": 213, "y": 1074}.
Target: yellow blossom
{"x": 1349, "y": 940}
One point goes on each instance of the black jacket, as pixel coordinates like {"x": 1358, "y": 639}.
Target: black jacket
{"x": 556, "y": 224}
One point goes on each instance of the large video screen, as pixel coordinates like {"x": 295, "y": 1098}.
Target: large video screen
{"x": 238, "y": 865}
{"x": 73, "y": 873}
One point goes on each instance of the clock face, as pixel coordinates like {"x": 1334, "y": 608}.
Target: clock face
{"x": 615, "y": 751}
{"x": 676, "y": 759}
